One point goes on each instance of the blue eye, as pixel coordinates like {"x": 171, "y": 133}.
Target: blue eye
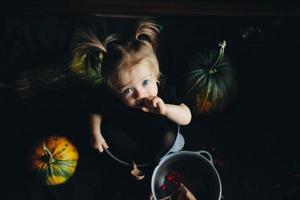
{"x": 146, "y": 82}
{"x": 127, "y": 91}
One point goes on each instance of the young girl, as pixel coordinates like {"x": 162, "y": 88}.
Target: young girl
{"x": 132, "y": 113}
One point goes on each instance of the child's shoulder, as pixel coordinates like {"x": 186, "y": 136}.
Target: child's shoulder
{"x": 168, "y": 93}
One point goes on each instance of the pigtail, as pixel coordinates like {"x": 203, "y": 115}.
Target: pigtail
{"x": 91, "y": 42}
{"x": 110, "y": 40}
{"x": 90, "y": 50}
{"x": 148, "y": 31}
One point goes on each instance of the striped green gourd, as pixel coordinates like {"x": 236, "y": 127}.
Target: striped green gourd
{"x": 54, "y": 160}
{"x": 210, "y": 81}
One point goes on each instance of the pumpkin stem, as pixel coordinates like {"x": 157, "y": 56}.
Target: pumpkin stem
{"x": 222, "y": 46}
{"x": 49, "y": 155}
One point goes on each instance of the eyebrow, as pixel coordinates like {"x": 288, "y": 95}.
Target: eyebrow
{"x": 125, "y": 86}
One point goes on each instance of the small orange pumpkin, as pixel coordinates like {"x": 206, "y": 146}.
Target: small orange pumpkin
{"x": 54, "y": 160}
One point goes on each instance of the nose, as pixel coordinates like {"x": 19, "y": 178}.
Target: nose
{"x": 140, "y": 93}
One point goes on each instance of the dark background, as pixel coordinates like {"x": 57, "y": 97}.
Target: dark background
{"x": 254, "y": 141}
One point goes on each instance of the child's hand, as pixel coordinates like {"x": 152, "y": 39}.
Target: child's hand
{"x": 98, "y": 142}
{"x": 185, "y": 193}
{"x": 154, "y": 105}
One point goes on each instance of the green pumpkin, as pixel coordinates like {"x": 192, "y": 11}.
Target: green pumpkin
{"x": 210, "y": 81}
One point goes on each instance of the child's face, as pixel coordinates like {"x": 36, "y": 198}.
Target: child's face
{"x": 137, "y": 83}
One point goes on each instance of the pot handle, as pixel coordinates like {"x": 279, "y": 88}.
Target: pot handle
{"x": 206, "y": 155}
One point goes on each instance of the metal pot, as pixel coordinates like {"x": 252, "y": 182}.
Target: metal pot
{"x": 194, "y": 169}
{"x": 177, "y": 146}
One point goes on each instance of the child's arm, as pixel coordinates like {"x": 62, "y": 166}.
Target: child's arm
{"x": 179, "y": 114}
{"x": 97, "y": 140}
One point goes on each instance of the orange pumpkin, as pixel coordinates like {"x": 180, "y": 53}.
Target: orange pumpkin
{"x": 54, "y": 160}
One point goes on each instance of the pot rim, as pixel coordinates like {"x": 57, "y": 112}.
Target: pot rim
{"x": 200, "y": 154}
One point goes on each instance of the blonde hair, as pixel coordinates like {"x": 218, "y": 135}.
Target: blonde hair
{"x": 120, "y": 53}
{"x": 127, "y": 52}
